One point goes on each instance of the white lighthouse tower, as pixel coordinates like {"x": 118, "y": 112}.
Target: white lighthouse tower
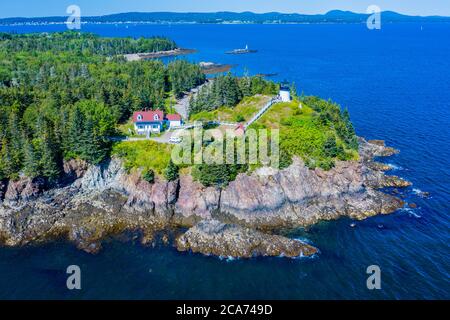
{"x": 285, "y": 93}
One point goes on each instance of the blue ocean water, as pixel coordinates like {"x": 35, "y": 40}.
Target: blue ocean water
{"x": 396, "y": 84}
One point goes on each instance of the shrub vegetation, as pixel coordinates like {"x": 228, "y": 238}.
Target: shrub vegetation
{"x": 62, "y": 96}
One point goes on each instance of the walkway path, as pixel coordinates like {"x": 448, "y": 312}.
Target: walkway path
{"x": 165, "y": 136}
{"x": 262, "y": 111}
{"x": 182, "y": 106}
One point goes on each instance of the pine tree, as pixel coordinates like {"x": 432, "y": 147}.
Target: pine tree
{"x": 350, "y": 136}
{"x": 49, "y": 160}
{"x": 231, "y": 94}
{"x": 294, "y": 93}
{"x": 149, "y": 176}
{"x": 218, "y": 175}
{"x": 15, "y": 141}
{"x": 75, "y": 133}
{"x": 3, "y": 123}
{"x": 330, "y": 147}
{"x": 246, "y": 86}
{"x": 62, "y": 130}
{"x": 30, "y": 161}
{"x": 171, "y": 173}
{"x": 6, "y": 163}
{"x": 92, "y": 149}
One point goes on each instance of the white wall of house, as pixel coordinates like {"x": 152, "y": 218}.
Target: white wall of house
{"x": 144, "y": 128}
{"x": 175, "y": 123}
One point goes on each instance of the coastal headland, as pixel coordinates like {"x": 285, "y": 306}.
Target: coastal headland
{"x": 243, "y": 220}
{"x": 64, "y": 175}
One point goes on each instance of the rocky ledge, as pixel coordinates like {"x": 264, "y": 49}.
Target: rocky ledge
{"x": 229, "y": 240}
{"x": 242, "y": 220}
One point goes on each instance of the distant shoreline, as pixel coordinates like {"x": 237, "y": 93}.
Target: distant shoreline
{"x": 27, "y": 24}
{"x": 162, "y": 18}
{"x": 19, "y": 24}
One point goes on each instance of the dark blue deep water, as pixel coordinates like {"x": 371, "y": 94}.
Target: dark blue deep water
{"x": 396, "y": 84}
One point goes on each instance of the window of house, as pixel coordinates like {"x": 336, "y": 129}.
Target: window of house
{"x": 156, "y": 117}
{"x": 139, "y": 117}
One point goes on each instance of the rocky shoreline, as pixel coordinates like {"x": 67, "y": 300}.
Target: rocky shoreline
{"x": 242, "y": 220}
{"x": 159, "y": 54}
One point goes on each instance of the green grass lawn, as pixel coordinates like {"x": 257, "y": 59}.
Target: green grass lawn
{"x": 145, "y": 155}
{"x": 301, "y": 133}
{"x": 241, "y": 113}
{"x": 280, "y": 112}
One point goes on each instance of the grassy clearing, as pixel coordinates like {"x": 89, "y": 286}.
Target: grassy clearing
{"x": 241, "y": 113}
{"x": 304, "y": 134}
{"x": 208, "y": 115}
{"x": 280, "y": 112}
{"x": 145, "y": 155}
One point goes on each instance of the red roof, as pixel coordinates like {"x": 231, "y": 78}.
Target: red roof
{"x": 148, "y": 116}
{"x": 173, "y": 117}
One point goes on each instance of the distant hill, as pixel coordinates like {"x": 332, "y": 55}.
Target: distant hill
{"x": 335, "y": 16}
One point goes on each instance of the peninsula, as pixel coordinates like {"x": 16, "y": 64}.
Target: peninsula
{"x": 64, "y": 175}
{"x": 158, "y": 54}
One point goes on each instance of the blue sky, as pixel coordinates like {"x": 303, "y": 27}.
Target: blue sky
{"x": 33, "y": 8}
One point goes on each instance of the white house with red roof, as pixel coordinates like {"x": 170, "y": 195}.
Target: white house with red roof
{"x": 156, "y": 121}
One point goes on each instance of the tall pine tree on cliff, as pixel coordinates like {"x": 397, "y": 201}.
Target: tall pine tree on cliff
{"x": 15, "y": 140}
{"x": 172, "y": 172}
{"x": 49, "y": 161}
{"x": 30, "y": 160}
{"x": 6, "y": 163}
{"x": 75, "y": 133}
{"x": 92, "y": 149}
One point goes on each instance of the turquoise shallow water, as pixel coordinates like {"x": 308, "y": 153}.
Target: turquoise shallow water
{"x": 396, "y": 84}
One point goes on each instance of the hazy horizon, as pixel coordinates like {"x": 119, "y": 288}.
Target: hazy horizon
{"x": 51, "y": 8}
{"x": 206, "y": 12}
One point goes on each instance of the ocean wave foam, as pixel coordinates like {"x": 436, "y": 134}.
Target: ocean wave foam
{"x": 395, "y": 167}
{"x": 420, "y": 193}
{"x": 303, "y": 240}
{"x": 227, "y": 258}
{"x": 302, "y": 256}
{"x": 411, "y": 212}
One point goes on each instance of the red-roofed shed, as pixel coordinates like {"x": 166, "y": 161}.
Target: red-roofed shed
{"x": 174, "y": 120}
{"x": 173, "y": 117}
